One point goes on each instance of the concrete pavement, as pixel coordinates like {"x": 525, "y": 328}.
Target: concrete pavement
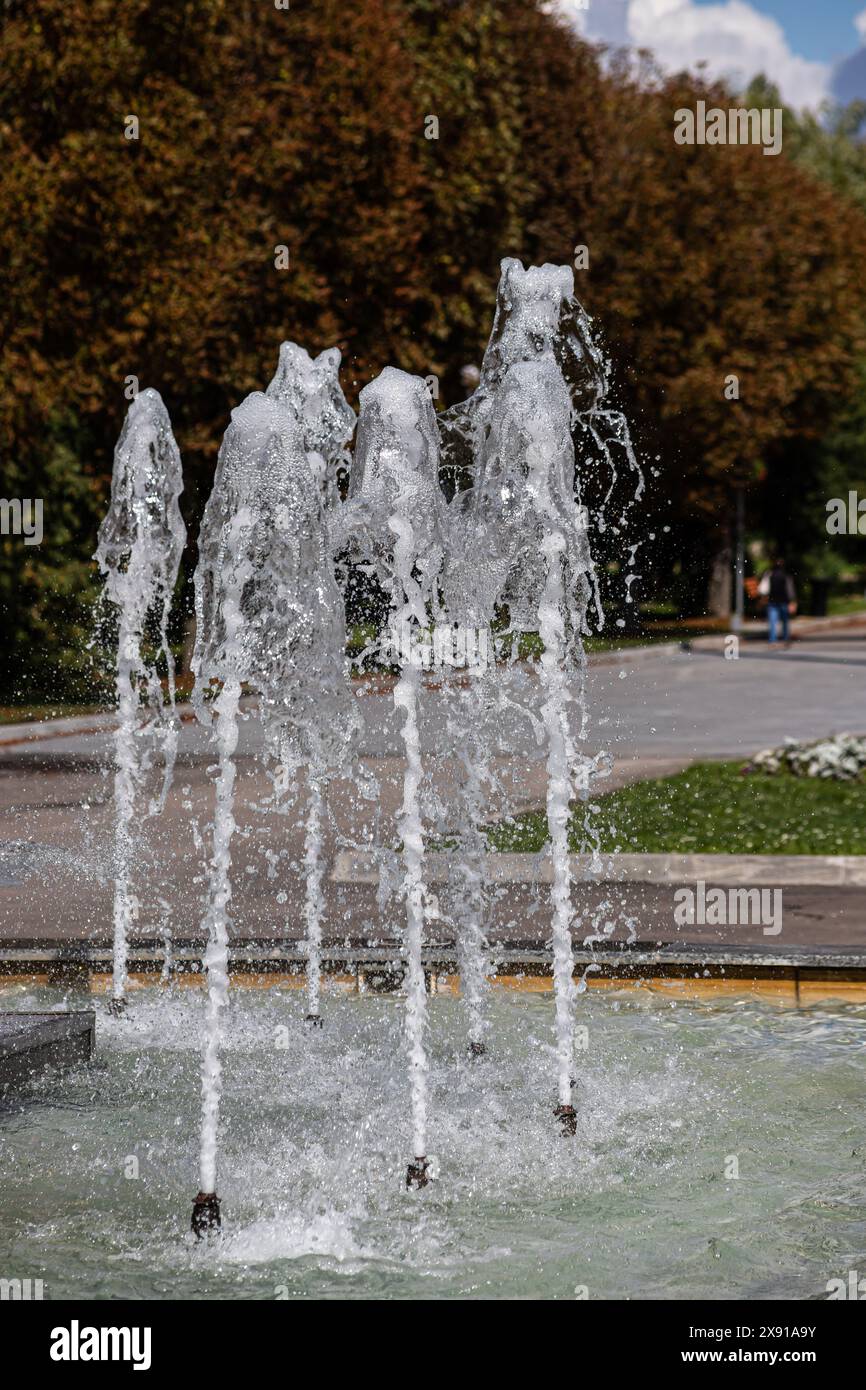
{"x": 666, "y": 705}
{"x": 653, "y": 714}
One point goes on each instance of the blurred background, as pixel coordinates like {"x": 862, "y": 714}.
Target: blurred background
{"x": 306, "y": 126}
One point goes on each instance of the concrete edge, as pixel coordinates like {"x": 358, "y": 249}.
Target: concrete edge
{"x": 649, "y": 651}
{"x": 90, "y": 969}
{"x": 740, "y": 870}
{"x": 30, "y": 1042}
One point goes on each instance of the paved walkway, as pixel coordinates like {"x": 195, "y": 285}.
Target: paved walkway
{"x": 670, "y": 705}
{"x": 654, "y": 713}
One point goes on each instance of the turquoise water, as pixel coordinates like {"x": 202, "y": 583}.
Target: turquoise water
{"x": 315, "y": 1144}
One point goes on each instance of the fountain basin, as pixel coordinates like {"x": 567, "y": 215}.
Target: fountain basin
{"x": 672, "y": 1096}
{"x": 30, "y": 1042}
{"x": 788, "y": 975}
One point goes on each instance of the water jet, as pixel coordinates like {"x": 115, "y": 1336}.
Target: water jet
{"x": 512, "y": 540}
{"x": 141, "y": 541}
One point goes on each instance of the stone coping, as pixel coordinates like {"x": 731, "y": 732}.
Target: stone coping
{"x": 740, "y": 870}
{"x": 29, "y": 1042}
{"x": 59, "y": 963}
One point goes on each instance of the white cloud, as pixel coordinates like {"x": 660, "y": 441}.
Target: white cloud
{"x": 734, "y": 40}
{"x": 860, "y": 24}
{"x": 605, "y": 20}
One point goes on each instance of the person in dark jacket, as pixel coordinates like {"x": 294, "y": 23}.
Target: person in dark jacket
{"x": 777, "y": 587}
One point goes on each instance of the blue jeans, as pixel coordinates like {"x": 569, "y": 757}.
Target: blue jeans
{"x": 778, "y": 613}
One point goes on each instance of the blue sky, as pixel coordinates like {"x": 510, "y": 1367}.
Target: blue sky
{"x": 813, "y": 49}
{"x": 820, "y": 29}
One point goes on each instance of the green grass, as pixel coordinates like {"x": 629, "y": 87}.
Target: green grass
{"x": 846, "y": 605}
{"x": 28, "y": 714}
{"x": 712, "y": 808}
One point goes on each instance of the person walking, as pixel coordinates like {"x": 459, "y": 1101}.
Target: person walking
{"x": 777, "y": 587}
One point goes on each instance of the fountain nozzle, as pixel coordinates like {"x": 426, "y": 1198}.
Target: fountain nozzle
{"x": 567, "y": 1116}
{"x": 416, "y": 1173}
{"x": 314, "y": 1021}
{"x": 205, "y": 1214}
{"x": 117, "y": 1007}
{"x": 477, "y": 1049}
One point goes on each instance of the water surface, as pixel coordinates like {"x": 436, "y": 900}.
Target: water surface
{"x": 672, "y": 1096}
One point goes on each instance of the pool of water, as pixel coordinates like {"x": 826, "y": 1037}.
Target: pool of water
{"x": 98, "y": 1167}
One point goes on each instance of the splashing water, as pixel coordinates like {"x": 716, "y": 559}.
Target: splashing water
{"x": 534, "y": 426}
{"x": 216, "y": 957}
{"x": 270, "y": 617}
{"x": 394, "y": 495}
{"x": 309, "y": 388}
{"x": 247, "y": 468}
{"x": 237, "y": 587}
{"x": 472, "y": 941}
{"x": 141, "y": 541}
{"x": 540, "y": 371}
{"x": 268, "y": 614}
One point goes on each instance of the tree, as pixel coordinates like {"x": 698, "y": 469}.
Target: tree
{"x": 803, "y": 475}
{"x": 150, "y": 248}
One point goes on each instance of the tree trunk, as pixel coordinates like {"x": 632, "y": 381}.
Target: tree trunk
{"x": 720, "y": 583}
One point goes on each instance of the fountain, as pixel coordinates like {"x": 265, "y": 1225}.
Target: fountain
{"x": 268, "y": 615}
{"x": 472, "y": 854}
{"x": 394, "y": 520}
{"x": 511, "y": 544}
{"x": 309, "y": 388}
{"x": 475, "y": 523}
{"x": 531, "y": 455}
{"x": 514, "y": 435}
{"x": 141, "y": 541}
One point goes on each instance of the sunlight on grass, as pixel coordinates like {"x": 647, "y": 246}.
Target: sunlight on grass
{"x": 711, "y": 808}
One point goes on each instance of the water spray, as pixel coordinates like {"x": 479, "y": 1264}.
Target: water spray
{"x": 268, "y": 614}
{"x": 270, "y": 617}
{"x": 394, "y": 519}
{"x": 513, "y": 437}
{"x": 141, "y": 541}
{"x": 309, "y": 389}
{"x": 472, "y": 941}
{"x": 237, "y": 581}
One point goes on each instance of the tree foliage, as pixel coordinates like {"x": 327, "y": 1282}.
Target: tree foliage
{"x": 804, "y": 474}
{"x": 306, "y": 128}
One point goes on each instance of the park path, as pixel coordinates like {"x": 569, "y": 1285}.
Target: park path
{"x": 645, "y": 704}
{"x": 654, "y": 712}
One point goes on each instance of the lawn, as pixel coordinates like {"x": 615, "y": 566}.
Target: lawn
{"x": 712, "y": 808}
{"x": 28, "y": 714}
